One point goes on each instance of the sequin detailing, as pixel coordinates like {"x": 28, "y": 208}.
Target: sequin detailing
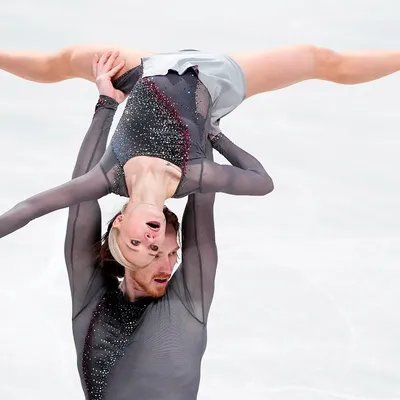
{"x": 173, "y": 117}
{"x": 151, "y": 126}
{"x": 168, "y": 117}
{"x": 118, "y": 183}
{"x": 113, "y": 322}
{"x": 106, "y": 101}
{"x": 215, "y": 137}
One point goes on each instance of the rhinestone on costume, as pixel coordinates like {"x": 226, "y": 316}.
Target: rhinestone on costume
{"x": 113, "y": 323}
{"x": 106, "y": 101}
{"x": 151, "y": 126}
{"x": 166, "y": 116}
{"x": 118, "y": 182}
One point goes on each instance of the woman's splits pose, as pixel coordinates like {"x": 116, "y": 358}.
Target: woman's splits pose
{"x": 158, "y": 150}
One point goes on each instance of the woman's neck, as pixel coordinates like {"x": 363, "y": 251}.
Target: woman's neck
{"x": 151, "y": 180}
{"x": 148, "y": 188}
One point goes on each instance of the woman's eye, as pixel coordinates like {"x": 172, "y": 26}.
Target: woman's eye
{"x": 135, "y": 242}
{"x": 154, "y": 247}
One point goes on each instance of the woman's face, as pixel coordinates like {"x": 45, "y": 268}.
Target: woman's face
{"x": 141, "y": 232}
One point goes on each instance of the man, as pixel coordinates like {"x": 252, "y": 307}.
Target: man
{"x": 130, "y": 345}
{"x": 143, "y": 338}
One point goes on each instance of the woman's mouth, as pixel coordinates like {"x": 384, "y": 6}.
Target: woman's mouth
{"x": 153, "y": 225}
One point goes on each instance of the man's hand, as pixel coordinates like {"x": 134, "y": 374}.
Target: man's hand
{"x": 103, "y": 70}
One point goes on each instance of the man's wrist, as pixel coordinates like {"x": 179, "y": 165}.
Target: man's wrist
{"x": 107, "y": 102}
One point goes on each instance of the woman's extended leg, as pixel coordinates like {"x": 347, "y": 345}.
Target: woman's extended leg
{"x": 275, "y": 69}
{"x": 70, "y": 62}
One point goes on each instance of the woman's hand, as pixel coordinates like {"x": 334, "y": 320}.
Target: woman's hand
{"x": 103, "y": 71}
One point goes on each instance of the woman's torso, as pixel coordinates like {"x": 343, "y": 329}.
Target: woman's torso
{"x": 166, "y": 116}
{"x": 175, "y": 101}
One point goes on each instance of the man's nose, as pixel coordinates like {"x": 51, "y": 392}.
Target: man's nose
{"x": 165, "y": 267}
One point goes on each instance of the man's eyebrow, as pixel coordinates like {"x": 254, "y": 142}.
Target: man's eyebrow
{"x": 162, "y": 252}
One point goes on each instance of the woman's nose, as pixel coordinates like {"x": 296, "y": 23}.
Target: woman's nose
{"x": 149, "y": 237}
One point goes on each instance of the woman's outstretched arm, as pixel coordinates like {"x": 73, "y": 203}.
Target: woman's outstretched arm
{"x": 87, "y": 183}
{"x": 246, "y": 176}
{"x": 90, "y": 186}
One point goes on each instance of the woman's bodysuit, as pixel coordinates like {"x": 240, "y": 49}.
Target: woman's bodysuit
{"x": 166, "y": 116}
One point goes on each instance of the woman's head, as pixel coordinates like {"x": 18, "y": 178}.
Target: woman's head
{"x": 134, "y": 236}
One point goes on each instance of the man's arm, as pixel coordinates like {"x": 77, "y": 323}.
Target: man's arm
{"x": 194, "y": 280}
{"x": 84, "y": 219}
{"x": 70, "y": 62}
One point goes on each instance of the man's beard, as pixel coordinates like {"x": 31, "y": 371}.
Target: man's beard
{"x": 152, "y": 289}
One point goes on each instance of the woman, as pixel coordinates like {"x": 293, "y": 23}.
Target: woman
{"x": 158, "y": 149}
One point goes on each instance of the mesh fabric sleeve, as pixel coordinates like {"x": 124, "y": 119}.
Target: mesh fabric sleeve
{"x": 84, "y": 219}
{"x": 91, "y": 186}
{"x": 194, "y": 280}
{"x": 246, "y": 175}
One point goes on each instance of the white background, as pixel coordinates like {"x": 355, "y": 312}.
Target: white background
{"x": 307, "y": 297}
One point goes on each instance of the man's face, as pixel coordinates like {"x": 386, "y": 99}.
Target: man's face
{"x": 154, "y": 278}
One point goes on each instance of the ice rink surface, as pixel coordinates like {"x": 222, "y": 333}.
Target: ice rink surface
{"x": 307, "y": 293}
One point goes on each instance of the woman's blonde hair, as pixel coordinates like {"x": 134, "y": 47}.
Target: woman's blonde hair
{"x": 117, "y": 253}
{"x": 110, "y": 255}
